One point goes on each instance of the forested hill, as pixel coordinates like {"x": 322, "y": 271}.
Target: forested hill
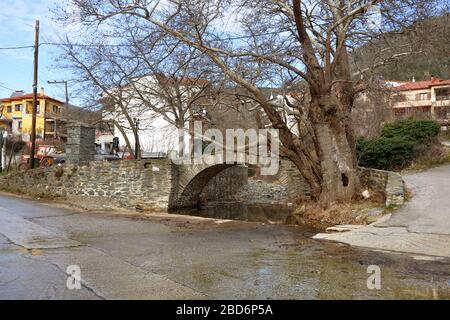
{"x": 431, "y": 37}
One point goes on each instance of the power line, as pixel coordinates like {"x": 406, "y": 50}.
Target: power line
{"x": 127, "y": 45}
{"x": 2, "y": 86}
{"x": 16, "y": 48}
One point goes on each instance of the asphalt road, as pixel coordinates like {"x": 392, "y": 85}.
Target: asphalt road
{"x": 429, "y": 209}
{"x": 420, "y": 227}
{"x": 122, "y": 255}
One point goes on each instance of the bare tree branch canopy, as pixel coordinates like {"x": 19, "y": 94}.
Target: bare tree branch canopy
{"x": 261, "y": 43}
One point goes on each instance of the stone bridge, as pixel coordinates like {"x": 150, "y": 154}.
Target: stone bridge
{"x": 190, "y": 184}
{"x": 155, "y": 183}
{"x": 193, "y": 183}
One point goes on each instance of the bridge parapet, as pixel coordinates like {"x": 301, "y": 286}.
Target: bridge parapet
{"x": 155, "y": 183}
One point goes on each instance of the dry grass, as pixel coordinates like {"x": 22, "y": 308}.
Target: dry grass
{"x": 310, "y": 214}
{"x": 435, "y": 155}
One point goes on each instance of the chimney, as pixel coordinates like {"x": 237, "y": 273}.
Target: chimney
{"x": 414, "y": 79}
{"x": 42, "y": 92}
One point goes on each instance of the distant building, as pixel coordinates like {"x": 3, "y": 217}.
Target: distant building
{"x": 429, "y": 99}
{"x": 16, "y": 115}
{"x": 157, "y": 131}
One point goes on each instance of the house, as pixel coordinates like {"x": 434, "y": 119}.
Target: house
{"x": 16, "y": 115}
{"x": 161, "y": 108}
{"x": 429, "y": 99}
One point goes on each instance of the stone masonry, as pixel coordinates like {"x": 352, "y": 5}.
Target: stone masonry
{"x": 80, "y": 147}
{"x": 147, "y": 183}
{"x": 128, "y": 182}
{"x": 390, "y": 183}
{"x": 159, "y": 183}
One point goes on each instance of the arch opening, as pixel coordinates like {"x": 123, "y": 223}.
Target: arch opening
{"x": 222, "y": 181}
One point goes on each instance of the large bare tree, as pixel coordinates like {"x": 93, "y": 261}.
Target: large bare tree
{"x": 135, "y": 75}
{"x": 281, "y": 43}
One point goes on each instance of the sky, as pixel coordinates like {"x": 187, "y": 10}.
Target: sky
{"x": 17, "y": 23}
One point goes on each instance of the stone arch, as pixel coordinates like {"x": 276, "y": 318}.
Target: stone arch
{"x": 193, "y": 179}
{"x": 188, "y": 181}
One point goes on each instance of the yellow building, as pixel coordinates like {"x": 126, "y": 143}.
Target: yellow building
{"x": 16, "y": 115}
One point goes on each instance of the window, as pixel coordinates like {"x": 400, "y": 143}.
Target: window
{"x": 8, "y": 109}
{"x": 29, "y": 109}
{"x": 18, "y": 108}
{"x": 423, "y": 96}
{"x": 56, "y": 109}
{"x": 20, "y": 125}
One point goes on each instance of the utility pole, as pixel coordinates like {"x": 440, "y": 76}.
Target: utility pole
{"x": 65, "y": 85}
{"x": 35, "y": 101}
{"x": 67, "y": 97}
{"x": 137, "y": 146}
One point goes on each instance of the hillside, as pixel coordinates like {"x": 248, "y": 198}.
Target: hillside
{"x": 429, "y": 37}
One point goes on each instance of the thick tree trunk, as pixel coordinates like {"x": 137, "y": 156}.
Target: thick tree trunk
{"x": 335, "y": 147}
{"x": 340, "y": 181}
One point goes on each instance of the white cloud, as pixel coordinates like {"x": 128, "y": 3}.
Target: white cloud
{"x": 17, "y": 20}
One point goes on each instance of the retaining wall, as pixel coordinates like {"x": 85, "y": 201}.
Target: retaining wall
{"x": 156, "y": 183}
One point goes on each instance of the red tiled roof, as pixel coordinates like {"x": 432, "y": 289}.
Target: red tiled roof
{"x": 26, "y": 97}
{"x": 422, "y": 84}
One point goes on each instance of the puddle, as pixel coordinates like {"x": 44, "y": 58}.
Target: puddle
{"x": 266, "y": 213}
{"x": 284, "y": 262}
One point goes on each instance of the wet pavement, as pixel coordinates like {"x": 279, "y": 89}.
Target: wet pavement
{"x": 123, "y": 255}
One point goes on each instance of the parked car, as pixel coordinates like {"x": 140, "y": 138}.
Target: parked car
{"x": 102, "y": 155}
{"x": 47, "y": 155}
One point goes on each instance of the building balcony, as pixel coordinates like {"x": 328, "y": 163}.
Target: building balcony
{"x": 442, "y": 103}
{"x": 53, "y": 115}
{"x": 412, "y": 104}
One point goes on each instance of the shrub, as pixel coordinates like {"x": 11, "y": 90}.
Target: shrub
{"x": 400, "y": 142}
{"x": 412, "y": 129}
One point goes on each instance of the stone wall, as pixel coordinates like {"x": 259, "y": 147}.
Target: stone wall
{"x": 147, "y": 183}
{"x": 373, "y": 178}
{"x": 293, "y": 180}
{"x": 160, "y": 184}
{"x": 225, "y": 184}
{"x": 130, "y": 183}
{"x": 291, "y": 185}
{"x": 388, "y": 182}
{"x": 260, "y": 192}
{"x": 80, "y": 147}
{"x": 395, "y": 190}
